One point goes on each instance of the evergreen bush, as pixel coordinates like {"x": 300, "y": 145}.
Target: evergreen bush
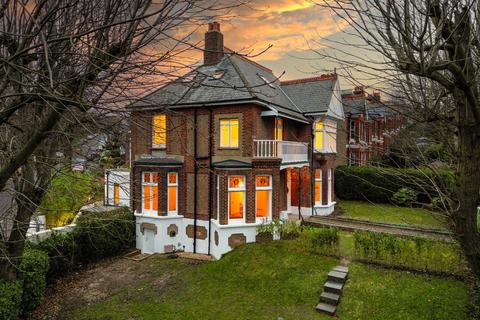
{"x": 33, "y": 272}
{"x": 10, "y": 299}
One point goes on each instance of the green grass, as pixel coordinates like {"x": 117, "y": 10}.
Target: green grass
{"x": 278, "y": 279}
{"x": 386, "y": 213}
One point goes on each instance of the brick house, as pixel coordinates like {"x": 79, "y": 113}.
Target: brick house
{"x": 371, "y": 125}
{"x": 228, "y": 147}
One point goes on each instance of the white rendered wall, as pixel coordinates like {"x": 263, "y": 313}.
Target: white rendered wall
{"x": 122, "y": 177}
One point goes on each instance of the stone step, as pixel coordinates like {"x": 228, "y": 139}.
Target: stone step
{"x": 327, "y": 308}
{"x": 341, "y": 269}
{"x": 336, "y": 276}
{"x": 330, "y": 298}
{"x": 333, "y": 287}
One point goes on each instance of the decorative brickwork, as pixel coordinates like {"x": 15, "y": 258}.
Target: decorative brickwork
{"x": 236, "y": 240}
{"x": 148, "y": 226}
{"x": 172, "y": 230}
{"x": 201, "y": 232}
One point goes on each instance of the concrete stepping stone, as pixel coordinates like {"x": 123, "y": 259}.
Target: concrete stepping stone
{"x": 333, "y": 287}
{"x": 340, "y": 269}
{"x": 336, "y": 276}
{"x": 330, "y": 298}
{"x": 327, "y": 308}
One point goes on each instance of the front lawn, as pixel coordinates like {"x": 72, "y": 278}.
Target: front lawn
{"x": 385, "y": 213}
{"x": 267, "y": 281}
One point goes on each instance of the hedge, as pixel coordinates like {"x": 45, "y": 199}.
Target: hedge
{"x": 378, "y": 184}
{"x": 61, "y": 250}
{"x": 10, "y": 299}
{"x": 33, "y": 271}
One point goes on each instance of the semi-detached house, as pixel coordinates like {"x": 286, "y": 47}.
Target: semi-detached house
{"x": 228, "y": 147}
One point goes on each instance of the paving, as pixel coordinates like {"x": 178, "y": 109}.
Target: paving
{"x": 352, "y": 225}
{"x": 332, "y": 290}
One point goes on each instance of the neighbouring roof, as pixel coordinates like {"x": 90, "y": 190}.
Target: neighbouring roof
{"x": 354, "y": 107}
{"x": 236, "y": 79}
{"x": 159, "y": 162}
{"x": 232, "y": 164}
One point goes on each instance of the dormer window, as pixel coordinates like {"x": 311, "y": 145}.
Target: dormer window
{"x": 159, "y": 136}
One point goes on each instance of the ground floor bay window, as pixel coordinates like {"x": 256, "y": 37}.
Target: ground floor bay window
{"x": 263, "y": 197}
{"x": 236, "y": 198}
{"x": 150, "y": 192}
{"x": 318, "y": 187}
{"x": 172, "y": 190}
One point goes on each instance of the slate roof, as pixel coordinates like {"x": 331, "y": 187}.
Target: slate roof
{"x": 311, "y": 95}
{"x": 231, "y": 163}
{"x": 354, "y": 106}
{"x": 158, "y": 161}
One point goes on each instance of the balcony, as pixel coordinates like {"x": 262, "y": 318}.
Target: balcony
{"x": 289, "y": 151}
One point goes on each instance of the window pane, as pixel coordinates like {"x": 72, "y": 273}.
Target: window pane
{"x": 318, "y": 125}
{"x": 318, "y": 191}
{"x": 155, "y": 198}
{"x": 155, "y": 177}
{"x": 236, "y": 204}
{"x": 236, "y": 182}
{"x": 146, "y": 197}
{"x": 116, "y": 194}
{"x": 234, "y": 133}
{"x": 160, "y": 129}
{"x": 263, "y": 203}
{"x": 172, "y": 178}
{"x": 224, "y": 136}
{"x": 318, "y": 174}
{"x": 263, "y": 181}
{"x": 146, "y": 177}
{"x": 318, "y": 140}
{"x": 172, "y": 199}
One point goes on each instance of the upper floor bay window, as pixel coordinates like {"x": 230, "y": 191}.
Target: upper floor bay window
{"x": 172, "y": 191}
{"x": 159, "y": 136}
{"x": 263, "y": 197}
{"x": 279, "y": 129}
{"x": 318, "y": 186}
{"x": 326, "y": 136}
{"x": 229, "y": 133}
{"x": 236, "y": 198}
{"x": 150, "y": 192}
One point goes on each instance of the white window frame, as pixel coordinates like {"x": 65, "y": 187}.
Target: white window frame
{"x": 229, "y": 125}
{"x": 330, "y": 173}
{"x": 242, "y": 189}
{"x": 270, "y": 189}
{"x": 330, "y": 130}
{"x": 321, "y": 186}
{"x": 218, "y": 198}
{"x": 173, "y": 213}
{"x": 148, "y": 184}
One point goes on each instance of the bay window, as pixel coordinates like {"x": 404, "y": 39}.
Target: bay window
{"x": 150, "y": 191}
{"x": 318, "y": 186}
{"x": 159, "y": 138}
{"x": 319, "y": 135}
{"x": 172, "y": 192}
{"x": 263, "y": 197}
{"x": 229, "y": 133}
{"x": 330, "y": 175}
{"x": 279, "y": 129}
{"x": 236, "y": 198}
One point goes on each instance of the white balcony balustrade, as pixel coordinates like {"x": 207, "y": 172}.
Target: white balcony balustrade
{"x": 288, "y": 151}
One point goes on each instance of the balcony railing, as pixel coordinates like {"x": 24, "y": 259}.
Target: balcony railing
{"x": 288, "y": 151}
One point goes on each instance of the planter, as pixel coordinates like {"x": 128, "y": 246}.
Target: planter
{"x": 263, "y": 237}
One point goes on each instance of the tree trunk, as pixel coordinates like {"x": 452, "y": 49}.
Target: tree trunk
{"x": 468, "y": 189}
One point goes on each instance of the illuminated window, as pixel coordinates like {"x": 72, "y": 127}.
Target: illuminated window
{"x": 330, "y": 175}
{"x": 263, "y": 196}
{"x": 318, "y": 135}
{"x": 159, "y": 130}
{"x": 279, "y": 129}
{"x": 229, "y": 133}
{"x": 318, "y": 186}
{"x": 236, "y": 197}
{"x": 150, "y": 191}
{"x": 172, "y": 192}
{"x": 116, "y": 194}
{"x": 330, "y": 145}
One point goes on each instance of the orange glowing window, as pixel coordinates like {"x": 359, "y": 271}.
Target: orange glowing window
{"x": 159, "y": 130}
{"x": 172, "y": 192}
{"x": 236, "y": 197}
{"x": 319, "y": 135}
{"x": 263, "y": 196}
{"x": 150, "y": 191}
{"x": 279, "y": 129}
{"x": 318, "y": 186}
{"x": 229, "y": 133}
{"x": 116, "y": 194}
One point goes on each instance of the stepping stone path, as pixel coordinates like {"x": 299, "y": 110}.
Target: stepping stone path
{"x": 332, "y": 290}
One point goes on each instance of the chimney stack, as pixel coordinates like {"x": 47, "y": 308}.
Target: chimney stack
{"x": 213, "y": 52}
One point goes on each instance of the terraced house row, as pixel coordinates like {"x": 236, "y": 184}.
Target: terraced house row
{"x": 228, "y": 147}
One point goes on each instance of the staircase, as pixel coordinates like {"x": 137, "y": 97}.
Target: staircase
{"x": 332, "y": 290}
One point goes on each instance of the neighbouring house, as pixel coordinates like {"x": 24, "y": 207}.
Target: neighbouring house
{"x": 117, "y": 187}
{"x": 229, "y": 147}
{"x": 371, "y": 124}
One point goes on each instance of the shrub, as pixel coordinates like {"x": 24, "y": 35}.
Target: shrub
{"x": 290, "y": 230}
{"x": 33, "y": 271}
{"x": 61, "y": 249}
{"x": 379, "y": 184}
{"x": 10, "y": 299}
{"x": 101, "y": 235}
{"x": 405, "y": 197}
{"x": 324, "y": 240}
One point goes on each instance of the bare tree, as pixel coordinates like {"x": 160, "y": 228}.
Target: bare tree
{"x": 69, "y": 62}
{"x": 419, "y": 47}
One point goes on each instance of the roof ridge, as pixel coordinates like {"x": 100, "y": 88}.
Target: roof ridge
{"x": 323, "y": 77}
{"x": 228, "y": 50}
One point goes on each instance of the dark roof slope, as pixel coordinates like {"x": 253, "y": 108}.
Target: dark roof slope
{"x": 311, "y": 95}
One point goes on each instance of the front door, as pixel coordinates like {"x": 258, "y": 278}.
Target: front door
{"x": 148, "y": 241}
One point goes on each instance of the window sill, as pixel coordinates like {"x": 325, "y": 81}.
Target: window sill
{"x": 325, "y": 205}
{"x": 235, "y": 225}
{"x": 159, "y": 147}
{"x": 229, "y": 148}
{"x": 155, "y": 216}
